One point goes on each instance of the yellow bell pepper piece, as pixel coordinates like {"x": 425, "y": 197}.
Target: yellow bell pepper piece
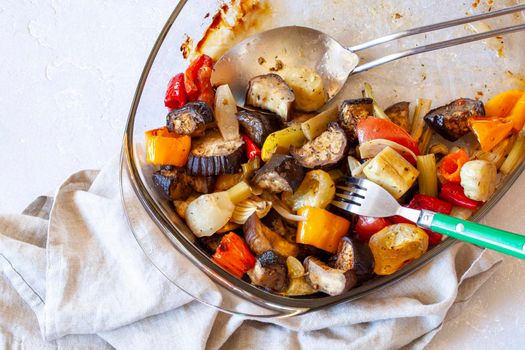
{"x": 490, "y": 132}
{"x": 501, "y": 105}
{"x": 167, "y": 148}
{"x": 321, "y": 228}
{"x": 281, "y": 140}
{"x": 517, "y": 115}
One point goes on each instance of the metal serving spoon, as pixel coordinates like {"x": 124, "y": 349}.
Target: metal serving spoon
{"x": 301, "y": 46}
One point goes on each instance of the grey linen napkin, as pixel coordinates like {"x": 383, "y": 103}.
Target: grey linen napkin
{"x": 74, "y": 276}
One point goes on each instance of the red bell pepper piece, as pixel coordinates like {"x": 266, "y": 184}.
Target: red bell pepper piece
{"x": 453, "y": 193}
{"x": 176, "y": 92}
{"x": 233, "y": 255}
{"x": 451, "y": 165}
{"x": 421, "y": 201}
{"x": 366, "y": 226}
{"x": 252, "y": 150}
{"x": 198, "y": 80}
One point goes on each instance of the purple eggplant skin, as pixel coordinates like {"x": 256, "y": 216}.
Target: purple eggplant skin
{"x": 324, "y": 151}
{"x": 399, "y": 113}
{"x": 350, "y": 113}
{"x": 451, "y": 121}
{"x": 173, "y": 183}
{"x": 212, "y": 155}
{"x": 270, "y": 271}
{"x": 191, "y": 119}
{"x": 257, "y": 126}
{"x": 354, "y": 255}
{"x": 282, "y": 173}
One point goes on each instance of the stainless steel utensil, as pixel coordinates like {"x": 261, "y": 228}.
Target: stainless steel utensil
{"x": 364, "y": 197}
{"x": 302, "y": 46}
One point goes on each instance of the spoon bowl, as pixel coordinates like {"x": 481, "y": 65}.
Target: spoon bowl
{"x": 276, "y": 49}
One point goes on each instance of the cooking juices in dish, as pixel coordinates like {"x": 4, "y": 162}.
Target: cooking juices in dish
{"x": 254, "y": 183}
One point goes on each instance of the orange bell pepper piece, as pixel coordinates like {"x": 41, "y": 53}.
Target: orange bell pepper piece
{"x": 167, "y": 148}
{"x": 321, "y": 228}
{"x": 233, "y": 255}
{"x": 490, "y": 132}
{"x": 517, "y": 115}
{"x": 501, "y": 105}
{"x": 451, "y": 164}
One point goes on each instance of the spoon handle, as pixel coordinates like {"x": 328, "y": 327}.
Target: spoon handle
{"x": 436, "y": 46}
{"x": 436, "y": 26}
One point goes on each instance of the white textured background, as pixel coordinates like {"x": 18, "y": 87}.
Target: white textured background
{"x": 68, "y": 71}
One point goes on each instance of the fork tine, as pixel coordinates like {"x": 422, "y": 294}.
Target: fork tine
{"x": 350, "y": 198}
{"x": 357, "y": 191}
{"x": 345, "y": 206}
{"x": 354, "y": 181}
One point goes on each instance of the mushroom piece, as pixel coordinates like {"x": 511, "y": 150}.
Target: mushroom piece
{"x": 173, "y": 183}
{"x": 270, "y": 92}
{"x": 260, "y": 239}
{"x": 212, "y": 155}
{"x": 326, "y": 149}
{"x": 257, "y": 126}
{"x": 354, "y": 255}
{"x": 328, "y": 280}
{"x": 282, "y": 173}
{"x": 399, "y": 114}
{"x": 351, "y": 112}
{"x": 451, "y": 121}
{"x": 191, "y": 119}
{"x": 270, "y": 271}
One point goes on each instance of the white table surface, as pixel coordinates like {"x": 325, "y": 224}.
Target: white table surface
{"x": 68, "y": 73}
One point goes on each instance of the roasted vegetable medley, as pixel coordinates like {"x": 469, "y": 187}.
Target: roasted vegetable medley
{"x": 254, "y": 183}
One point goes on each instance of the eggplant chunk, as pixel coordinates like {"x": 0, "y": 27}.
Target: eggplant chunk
{"x": 326, "y": 149}
{"x": 270, "y": 92}
{"x": 212, "y": 155}
{"x": 328, "y": 280}
{"x": 351, "y": 112}
{"x": 282, "y": 173}
{"x": 270, "y": 272}
{"x": 173, "y": 183}
{"x": 451, "y": 121}
{"x": 191, "y": 119}
{"x": 203, "y": 184}
{"x": 260, "y": 239}
{"x": 399, "y": 113}
{"x": 354, "y": 255}
{"x": 275, "y": 222}
{"x": 257, "y": 126}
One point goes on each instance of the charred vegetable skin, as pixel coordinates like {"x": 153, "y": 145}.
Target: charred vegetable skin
{"x": 326, "y": 149}
{"x": 270, "y": 92}
{"x": 351, "y": 112}
{"x": 354, "y": 255}
{"x": 191, "y": 119}
{"x": 257, "y": 126}
{"x": 451, "y": 121}
{"x": 173, "y": 183}
{"x": 270, "y": 272}
{"x": 281, "y": 174}
{"x": 212, "y": 155}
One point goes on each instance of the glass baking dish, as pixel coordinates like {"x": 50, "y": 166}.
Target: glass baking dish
{"x": 473, "y": 70}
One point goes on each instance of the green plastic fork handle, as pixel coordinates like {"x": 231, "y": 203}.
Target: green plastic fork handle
{"x": 484, "y": 236}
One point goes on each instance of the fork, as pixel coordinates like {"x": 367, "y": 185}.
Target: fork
{"x": 364, "y": 197}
